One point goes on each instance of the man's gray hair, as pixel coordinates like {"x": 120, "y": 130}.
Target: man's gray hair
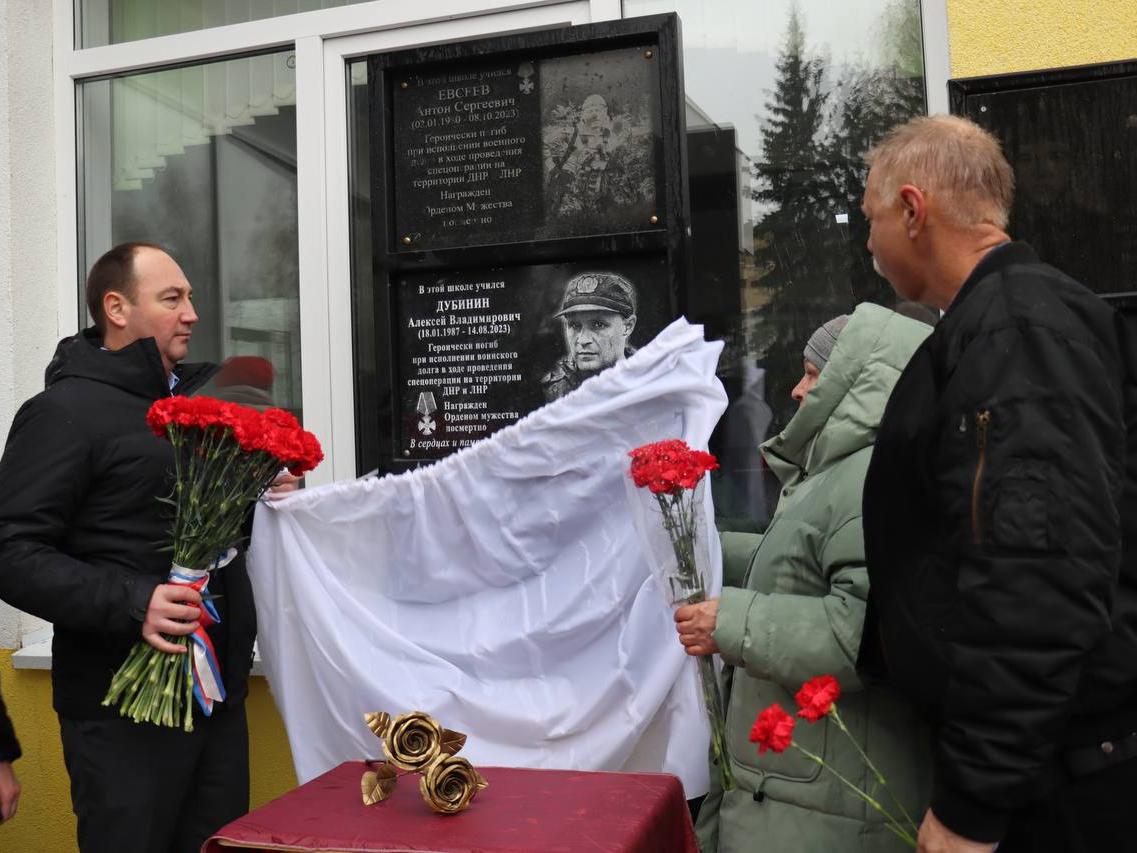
{"x": 954, "y": 161}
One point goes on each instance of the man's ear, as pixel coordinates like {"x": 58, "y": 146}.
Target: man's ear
{"x": 116, "y": 307}
{"x": 914, "y": 208}
{"x": 629, "y": 324}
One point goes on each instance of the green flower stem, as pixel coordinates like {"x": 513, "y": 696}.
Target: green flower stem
{"x": 238, "y": 478}
{"x": 187, "y": 720}
{"x": 221, "y": 459}
{"x": 891, "y": 822}
{"x": 170, "y": 683}
{"x": 836, "y": 717}
{"x": 678, "y": 511}
{"x": 713, "y": 702}
{"x": 134, "y": 684}
{"x": 125, "y": 675}
{"x": 142, "y": 699}
{"x": 151, "y": 686}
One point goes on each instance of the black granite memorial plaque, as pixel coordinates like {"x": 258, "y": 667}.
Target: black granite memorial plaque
{"x": 1071, "y": 137}
{"x": 505, "y": 173}
{"x": 526, "y": 149}
{"x": 480, "y": 349}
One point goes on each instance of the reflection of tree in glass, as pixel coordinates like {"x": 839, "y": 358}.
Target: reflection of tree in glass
{"x": 597, "y": 160}
{"x": 810, "y": 266}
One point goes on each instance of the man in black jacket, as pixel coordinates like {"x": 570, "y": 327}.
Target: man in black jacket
{"x": 83, "y": 544}
{"x": 996, "y": 509}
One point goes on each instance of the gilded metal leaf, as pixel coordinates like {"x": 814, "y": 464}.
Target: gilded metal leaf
{"x": 378, "y": 784}
{"x": 378, "y": 722}
{"x": 452, "y": 742}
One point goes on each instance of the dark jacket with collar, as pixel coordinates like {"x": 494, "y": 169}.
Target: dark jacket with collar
{"x": 994, "y": 510}
{"x": 83, "y": 537}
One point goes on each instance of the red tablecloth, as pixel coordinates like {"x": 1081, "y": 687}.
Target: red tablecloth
{"x": 522, "y": 811}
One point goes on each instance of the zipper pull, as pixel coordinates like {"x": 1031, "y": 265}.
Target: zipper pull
{"x": 982, "y": 420}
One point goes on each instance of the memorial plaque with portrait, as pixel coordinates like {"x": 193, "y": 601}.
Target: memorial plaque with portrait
{"x": 479, "y": 349}
{"x": 529, "y": 224}
{"x": 518, "y": 149}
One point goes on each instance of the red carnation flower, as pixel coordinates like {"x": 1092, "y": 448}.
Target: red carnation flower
{"x": 667, "y": 467}
{"x": 281, "y": 419}
{"x": 773, "y": 729}
{"x": 160, "y": 416}
{"x": 816, "y": 697}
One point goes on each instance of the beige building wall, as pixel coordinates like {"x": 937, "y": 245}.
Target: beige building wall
{"x": 1002, "y": 36}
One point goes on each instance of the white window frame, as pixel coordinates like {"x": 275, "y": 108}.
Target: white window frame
{"x": 937, "y": 54}
{"x": 325, "y": 300}
{"x": 323, "y": 40}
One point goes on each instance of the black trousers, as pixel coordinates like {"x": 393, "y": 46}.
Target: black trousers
{"x": 140, "y": 788}
{"x": 1089, "y": 814}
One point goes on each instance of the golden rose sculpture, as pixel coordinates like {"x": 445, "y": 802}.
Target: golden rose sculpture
{"x": 415, "y": 743}
{"x": 449, "y": 783}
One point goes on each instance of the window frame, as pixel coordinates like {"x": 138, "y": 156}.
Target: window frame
{"x": 323, "y": 40}
{"x": 325, "y": 318}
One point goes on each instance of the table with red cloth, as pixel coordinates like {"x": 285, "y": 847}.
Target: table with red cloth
{"x": 553, "y": 811}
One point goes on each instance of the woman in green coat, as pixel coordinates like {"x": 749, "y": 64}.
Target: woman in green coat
{"x": 792, "y": 607}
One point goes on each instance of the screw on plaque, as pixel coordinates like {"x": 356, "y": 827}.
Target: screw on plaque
{"x": 648, "y": 54}
{"x": 404, "y": 85}
{"x": 653, "y": 219}
{"x": 408, "y": 239}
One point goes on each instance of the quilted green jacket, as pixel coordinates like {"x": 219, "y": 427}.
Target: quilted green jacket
{"x": 793, "y": 606}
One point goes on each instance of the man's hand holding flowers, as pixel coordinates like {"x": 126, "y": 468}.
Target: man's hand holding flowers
{"x": 285, "y": 484}
{"x": 696, "y": 626}
{"x": 174, "y": 609}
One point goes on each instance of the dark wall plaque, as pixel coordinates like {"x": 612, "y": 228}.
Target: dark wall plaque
{"x": 468, "y": 149}
{"x": 480, "y": 349}
{"x": 522, "y": 149}
{"x": 1071, "y": 136}
{"x": 508, "y": 175}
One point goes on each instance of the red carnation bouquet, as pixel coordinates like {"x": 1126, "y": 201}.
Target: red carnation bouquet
{"x": 225, "y": 457}
{"x": 817, "y": 699}
{"x": 673, "y": 473}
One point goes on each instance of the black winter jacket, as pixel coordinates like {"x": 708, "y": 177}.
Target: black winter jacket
{"x": 993, "y": 515}
{"x": 83, "y": 537}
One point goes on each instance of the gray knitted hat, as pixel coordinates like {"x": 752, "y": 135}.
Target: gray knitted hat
{"x": 821, "y": 343}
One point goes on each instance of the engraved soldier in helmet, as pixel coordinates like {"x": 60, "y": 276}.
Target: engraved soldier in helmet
{"x": 598, "y": 315}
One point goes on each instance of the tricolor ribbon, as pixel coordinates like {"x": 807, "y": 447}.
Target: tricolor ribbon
{"x": 202, "y": 659}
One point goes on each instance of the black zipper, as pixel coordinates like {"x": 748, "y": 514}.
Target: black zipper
{"x": 982, "y": 421}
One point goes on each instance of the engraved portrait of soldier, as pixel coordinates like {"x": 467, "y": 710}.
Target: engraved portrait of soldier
{"x": 597, "y": 316}
{"x": 598, "y": 138}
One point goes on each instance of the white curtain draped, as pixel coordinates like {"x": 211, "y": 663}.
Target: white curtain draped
{"x": 502, "y": 590}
